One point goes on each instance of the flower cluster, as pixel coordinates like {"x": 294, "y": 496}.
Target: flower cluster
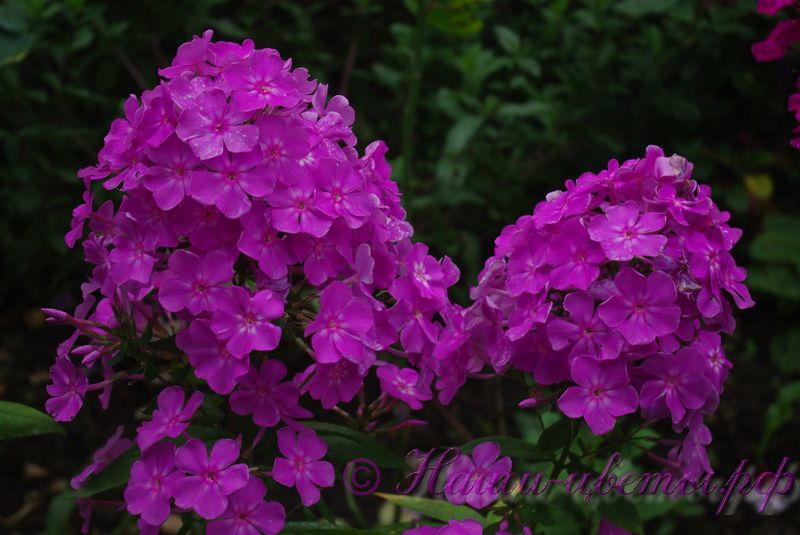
{"x": 783, "y": 36}
{"x": 248, "y": 229}
{"x": 619, "y": 287}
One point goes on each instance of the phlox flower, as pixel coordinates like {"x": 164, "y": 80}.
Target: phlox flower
{"x": 477, "y": 480}
{"x": 171, "y": 417}
{"x": 262, "y": 394}
{"x": 406, "y": 385}
{"x": 152, "y": 484}
{"x": 67, "y": 391}
{"x": 602, "y": 394}
{"x": 301, "y": 465}
{"x": 641, "y": 308}
{"x": 244, "y": 321}
{"x": 211, "y": 125}
{"x": 210, "y": 478}
{"x": 248, "y": 513}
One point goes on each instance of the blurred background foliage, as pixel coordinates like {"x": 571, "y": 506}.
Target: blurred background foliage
{"x": 485, "y": 105}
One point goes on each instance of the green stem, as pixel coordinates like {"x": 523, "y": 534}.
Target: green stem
{"x": 412, "y": 100}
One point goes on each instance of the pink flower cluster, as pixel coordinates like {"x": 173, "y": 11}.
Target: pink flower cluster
{"x": 618, "y": 286}
{"x": 785, "y": 35}
{"x": 248, "y": 222}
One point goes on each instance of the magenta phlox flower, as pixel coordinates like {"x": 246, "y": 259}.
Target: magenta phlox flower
{"x": 171, "y": 417}
{"x": 245, "y": 321}
{"x": 249, "y": 514}
{"x": 260, "y": 241}
{"x": 404, "y": 384}
{"x": 784, "y": 35}
{"x": 230, "y": 180}
{"x": 574, "y": 257}
{"x": 67, "y": 391}
{"x": 335, "y": 383}
{"x": 678, "y": 383}
{"x": 477, "y": 480}
{"x": 152, "y": 484}
{"x": 341, "y": 327}
{"x": 601, "y": 395}
{"x": 624, "y": 232}
{"x": 301, "y": 465}
{"x": 210, "y": 358}
{"x": 584, "y": 332}
{"x": 262, "y": 81}
{"x": 191, "y": 57}
{"x": 210, "y": 478}
{"x": 262, "y": 394}
{"x": 211, "y": 126}
{"x": 169, "y": 179}
{"x": 195, "y": 282}
{"x": 295, "y": 209}
{"x": 642, "y": 307}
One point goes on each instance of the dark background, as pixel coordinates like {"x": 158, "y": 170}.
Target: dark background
{"x": 514, "y": 98}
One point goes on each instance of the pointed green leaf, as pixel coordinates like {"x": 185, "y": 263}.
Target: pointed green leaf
{"x": 18, "y": 420}
{"x": 436, "y": 509}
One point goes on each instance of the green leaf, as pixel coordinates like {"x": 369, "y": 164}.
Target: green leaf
{"x": 776, "y": 246}
{"x": 18, "y": 420}
{"x": 58, "y": 513}
{"x": 780, "y": 412}
{"x": 345, "y": 444}
{"x": 326, "y": 528}
{"x": 514, "y": 110}
{"x": 507, "y": 38}
{"x": 513, "y": 447}
{"x": 114, "y": 475}
{"x": 436, "y": 509}
{"x": 623, "y": 514}
{"x": 461, "y": 132}
{"x": 785, "y": 351}
{"x": 777, "y": 279}
{"x": 555, "y": 437}
{"x": 638, "y": 8}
